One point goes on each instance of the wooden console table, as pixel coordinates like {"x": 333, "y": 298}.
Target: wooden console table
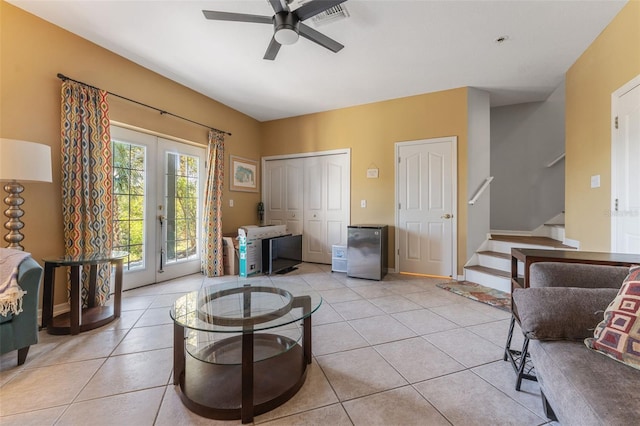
{"x": 78, "y": 319}
{"x": 520, "y": 358}
{"x": 531, "y": 256}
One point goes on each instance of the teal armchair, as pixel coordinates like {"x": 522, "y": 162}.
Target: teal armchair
{"x": 21, "y": 331}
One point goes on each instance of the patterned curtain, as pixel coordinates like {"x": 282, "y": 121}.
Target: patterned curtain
{"x": 212, "y": 214}
{"x": 87, "y": 180}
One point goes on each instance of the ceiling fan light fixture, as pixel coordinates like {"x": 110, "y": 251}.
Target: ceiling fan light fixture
{"x": 286, "y": 36}
{"x": 286, "y": 28}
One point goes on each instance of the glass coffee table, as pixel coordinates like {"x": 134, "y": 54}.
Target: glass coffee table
{"x": 241, "y": 349}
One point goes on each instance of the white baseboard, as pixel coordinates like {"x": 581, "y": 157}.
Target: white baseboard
{"x": 57, "y": 310}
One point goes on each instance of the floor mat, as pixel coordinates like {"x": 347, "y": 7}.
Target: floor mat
{"x": 496, "y": 298}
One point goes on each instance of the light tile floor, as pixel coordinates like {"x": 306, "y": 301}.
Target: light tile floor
{"x": 396, "y": 352}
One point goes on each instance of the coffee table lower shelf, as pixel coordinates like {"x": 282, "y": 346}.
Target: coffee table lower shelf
{"x": 216, "y": 390}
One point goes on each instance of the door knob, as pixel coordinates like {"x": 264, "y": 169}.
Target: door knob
{"x": 446, "y": 216}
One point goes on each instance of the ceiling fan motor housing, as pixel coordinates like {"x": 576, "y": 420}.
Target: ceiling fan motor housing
{"x": 286, "y": 27}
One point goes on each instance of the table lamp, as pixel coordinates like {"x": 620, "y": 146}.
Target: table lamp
{"x": 26, "y": 162}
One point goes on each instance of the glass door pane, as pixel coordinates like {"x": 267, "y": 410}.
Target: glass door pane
{"x": 134, "y": 192}
{"x": 129, "y": 182}
{"x": 182, "y": 202}
{"x": 183, "y": 184}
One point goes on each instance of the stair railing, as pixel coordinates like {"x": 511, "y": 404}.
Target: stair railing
{"x": 560, "y": 157}
{"x": 480, "y": 190}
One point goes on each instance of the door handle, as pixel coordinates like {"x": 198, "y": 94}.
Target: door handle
{"x": 446, "y": 216}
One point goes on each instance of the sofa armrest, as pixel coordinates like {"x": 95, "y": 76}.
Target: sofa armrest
{"x": 561, "y": 313}
{"x": 558, "y": 274}
{"x": 26, "y": 323}
{"x": 21, "y": 330}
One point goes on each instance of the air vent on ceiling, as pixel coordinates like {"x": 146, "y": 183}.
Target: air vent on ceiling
{"x": 332, "y": 14}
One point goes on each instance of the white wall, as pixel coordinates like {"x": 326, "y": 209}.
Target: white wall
{"x": 524, "y": 139}
{"x": 479, "y": 167}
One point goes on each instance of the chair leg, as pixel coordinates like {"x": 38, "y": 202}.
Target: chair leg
{"x": 507, "y": 346}
{"x": 523, "y": 362}
{"x": 548, "y": 411}
{"x": 22, "y": 355}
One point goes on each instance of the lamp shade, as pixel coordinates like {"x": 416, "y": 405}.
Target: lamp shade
{"x": 24, "y": 161}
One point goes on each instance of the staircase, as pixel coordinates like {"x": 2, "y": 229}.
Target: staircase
{"x": 490, "y": 266}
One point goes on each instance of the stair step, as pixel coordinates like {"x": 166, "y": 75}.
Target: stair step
{"x": 496, "y": 254}
{"x": 490, "y": 271}
{"x": 521, "y": 239}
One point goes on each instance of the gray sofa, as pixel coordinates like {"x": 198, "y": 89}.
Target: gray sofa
{"x": 561, "y": 308}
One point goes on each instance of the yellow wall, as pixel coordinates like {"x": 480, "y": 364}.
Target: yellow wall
{"x": 33, "y": 51}
{"x": 612, "y": 60}
{"x": 371, "y": 132}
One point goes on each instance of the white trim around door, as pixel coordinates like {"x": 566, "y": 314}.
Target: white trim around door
{"x": 625, "y": 159}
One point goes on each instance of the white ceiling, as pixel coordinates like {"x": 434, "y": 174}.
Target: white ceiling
{"x": 392, "y": 48}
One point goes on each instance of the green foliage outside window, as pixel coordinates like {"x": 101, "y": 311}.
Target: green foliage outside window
{"x": 128, "y": 190}
{"x": 181, "y": 203}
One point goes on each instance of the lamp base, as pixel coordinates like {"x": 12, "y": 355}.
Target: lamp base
{"x": 13, "y": 214}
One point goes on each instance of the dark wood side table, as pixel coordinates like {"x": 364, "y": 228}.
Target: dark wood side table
{"x": 77, "y": 319}
{"x": 519, "y": 358}
{"x": 531, "y": 256}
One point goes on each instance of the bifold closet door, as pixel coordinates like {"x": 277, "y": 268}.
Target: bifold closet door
{"x": 311, "y": 196}
{"x": 284, "y": 202}
{"x": 326, "y": 211}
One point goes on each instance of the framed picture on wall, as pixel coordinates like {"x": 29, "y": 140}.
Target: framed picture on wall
{"x": 244, "y": 174}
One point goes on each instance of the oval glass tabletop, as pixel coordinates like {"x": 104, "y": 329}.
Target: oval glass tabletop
{"x": 245, "y": 305}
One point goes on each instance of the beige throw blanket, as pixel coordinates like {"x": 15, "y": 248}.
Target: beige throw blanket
{"x": 10, "y": 292}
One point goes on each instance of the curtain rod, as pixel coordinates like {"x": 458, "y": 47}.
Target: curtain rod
{"x": 162, "y": 112}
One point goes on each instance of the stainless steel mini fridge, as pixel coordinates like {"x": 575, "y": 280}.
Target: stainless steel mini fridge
{"x": 367, "y": 251}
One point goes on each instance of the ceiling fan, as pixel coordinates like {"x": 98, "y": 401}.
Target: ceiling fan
{"x": 287, "y": 23}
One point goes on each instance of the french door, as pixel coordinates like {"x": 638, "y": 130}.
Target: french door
{"x": 158, "y": 187}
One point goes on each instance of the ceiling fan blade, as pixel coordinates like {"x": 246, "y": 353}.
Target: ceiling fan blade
{"x": 237, "y": 17}
{"x": 312, "y": 8}
{"x": 317, "y": 37}
{"x": 272, "y": 50}
{"x": 277, "y": 6}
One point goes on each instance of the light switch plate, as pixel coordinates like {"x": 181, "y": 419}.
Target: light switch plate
{"x": 595, "y": 181}
{"x": 363, "y": 203}
{"x": 230, "y": 203}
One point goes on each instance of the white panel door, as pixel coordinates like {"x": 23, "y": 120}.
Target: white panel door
{"x": 284, "y": 203}
{"x": 326, "y": 205}
{"x": 626, "y": 163}
{"x": 338, "y": 198}
{"x": 425, "y": 207}
{"x": 315, "y": 192}
{"x": 311, "y": 195}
